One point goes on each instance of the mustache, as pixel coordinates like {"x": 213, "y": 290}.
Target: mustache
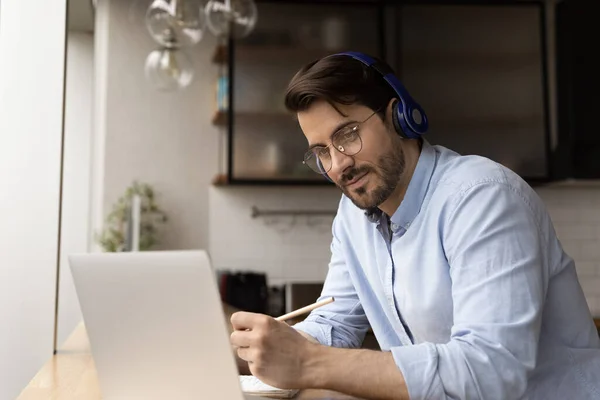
{"x": 354, "y": 172}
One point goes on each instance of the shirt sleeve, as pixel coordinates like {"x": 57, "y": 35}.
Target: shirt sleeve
{"x": 342, "y": 323}
{"x": 499, "y": 281}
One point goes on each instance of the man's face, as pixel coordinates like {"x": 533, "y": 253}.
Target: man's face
{"x": 370, "y": 176}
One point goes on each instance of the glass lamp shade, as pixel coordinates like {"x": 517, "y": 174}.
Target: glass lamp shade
{"x": 169, "y": 69}
{"x": 231, "y": 18}
{"x": 175, "y": 23}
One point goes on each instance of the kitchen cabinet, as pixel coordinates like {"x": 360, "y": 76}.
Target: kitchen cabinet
{"x": 478, "y": 69}
{"x": 265, "y": 143}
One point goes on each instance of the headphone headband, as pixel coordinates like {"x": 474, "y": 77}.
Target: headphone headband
{"x": 409, "y": 117}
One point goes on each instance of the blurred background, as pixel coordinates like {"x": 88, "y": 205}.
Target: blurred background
{"x": 133, "y": 125}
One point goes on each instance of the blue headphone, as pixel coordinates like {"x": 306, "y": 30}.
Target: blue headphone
{"x": 408, "y": 117}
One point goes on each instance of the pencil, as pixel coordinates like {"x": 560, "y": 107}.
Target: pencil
{"x": 306, "y": 309}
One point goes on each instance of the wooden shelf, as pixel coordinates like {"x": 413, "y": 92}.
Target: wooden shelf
{"x": 412, "y": 58}
{"x": 220, "y": 55}
{"x": 497, "y": 122}
{"x": 260, "y": 53}
{"x": 220, "y": 117}
{"x": 281, "y": 53}
{"x": 220, "y": 180}
{"x": 279, "y": 180}
{"x": 461, "y": 59}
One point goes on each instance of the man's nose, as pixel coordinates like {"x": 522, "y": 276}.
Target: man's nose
{"x": 340, "y": 162}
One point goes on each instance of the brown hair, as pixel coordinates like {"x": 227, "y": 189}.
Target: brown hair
{"x": 338, "y": 79}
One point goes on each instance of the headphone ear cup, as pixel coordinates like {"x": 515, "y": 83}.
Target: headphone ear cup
{"x": 395, "y": 119}
{"x": 418, "y": 120}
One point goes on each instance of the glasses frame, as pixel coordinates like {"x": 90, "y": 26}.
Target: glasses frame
{"x": 355, "y": 128}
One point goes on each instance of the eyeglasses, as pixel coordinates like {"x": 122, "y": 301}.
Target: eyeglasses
{"x": 347, "y": 141}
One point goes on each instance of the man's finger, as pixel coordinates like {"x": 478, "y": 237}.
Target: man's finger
{"x": 243, "y": 320}
{"x": 245, "y": 354}
{"x": 241, "y": 338}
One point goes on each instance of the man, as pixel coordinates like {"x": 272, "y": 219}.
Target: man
{"x": 451, "y": 260}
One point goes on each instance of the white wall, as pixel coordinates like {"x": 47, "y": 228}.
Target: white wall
{"x": 32, "y": 39}
{"x": 165, "y": 139}
{"x": 76, "y": 173}
{"x": 101, "y": 39}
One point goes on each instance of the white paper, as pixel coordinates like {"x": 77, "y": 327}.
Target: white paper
{"x": 252, "y": 385}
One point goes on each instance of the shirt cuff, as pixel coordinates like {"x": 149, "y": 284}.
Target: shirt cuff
{"x": 321, "y": 332}
{"x": 418, "y": 364}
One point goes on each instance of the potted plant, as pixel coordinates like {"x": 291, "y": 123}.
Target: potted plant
{"x": 113, "y": 237}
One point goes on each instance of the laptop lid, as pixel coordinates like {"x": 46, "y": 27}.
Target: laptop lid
{"x": 156, "y": 325}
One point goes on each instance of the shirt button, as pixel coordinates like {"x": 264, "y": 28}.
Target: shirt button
{"x": 395, "y": 227}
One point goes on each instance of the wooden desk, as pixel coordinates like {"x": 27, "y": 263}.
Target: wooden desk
{"x": 71, "y": 375}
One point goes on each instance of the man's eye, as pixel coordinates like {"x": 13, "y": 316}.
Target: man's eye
{"x": 322, "y": 152}
{"x": 349, "y": 134}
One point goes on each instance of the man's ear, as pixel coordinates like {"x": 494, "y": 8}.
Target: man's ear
{"x": 389, "y": 114}
{"x": 390, "y": 108}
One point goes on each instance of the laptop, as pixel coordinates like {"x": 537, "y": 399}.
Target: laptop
{"x": 156, "y": 326}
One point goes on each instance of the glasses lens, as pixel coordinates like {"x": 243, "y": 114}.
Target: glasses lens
{"x": 348, "y": 141}
{"x": 318, "y": 160}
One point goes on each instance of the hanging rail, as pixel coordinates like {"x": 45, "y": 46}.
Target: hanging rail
{"x": 264, "y": 213}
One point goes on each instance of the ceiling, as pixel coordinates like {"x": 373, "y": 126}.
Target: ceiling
{"x": 81, "y": 15}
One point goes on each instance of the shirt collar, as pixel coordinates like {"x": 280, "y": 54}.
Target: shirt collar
{"x": 415, "y": 193}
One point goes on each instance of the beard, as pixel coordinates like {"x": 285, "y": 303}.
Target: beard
{"x": 387, "y": 172}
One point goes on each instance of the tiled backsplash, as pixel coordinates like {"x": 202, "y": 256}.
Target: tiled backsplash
{"x": 288, "y": 249}
{"x": 575, "y": 211}
{"x": 296, "y": 249}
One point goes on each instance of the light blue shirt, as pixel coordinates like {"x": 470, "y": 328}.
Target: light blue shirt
{"x": 471, "y": 292}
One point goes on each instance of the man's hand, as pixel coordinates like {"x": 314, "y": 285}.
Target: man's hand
{"x": 280, "y": 356}
{"x": 276, "y": 353}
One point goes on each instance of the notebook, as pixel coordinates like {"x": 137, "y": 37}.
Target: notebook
{"x": 251, "y": 385}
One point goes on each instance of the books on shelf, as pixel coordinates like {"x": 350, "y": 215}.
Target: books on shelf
{"x": 222, "y": 93}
